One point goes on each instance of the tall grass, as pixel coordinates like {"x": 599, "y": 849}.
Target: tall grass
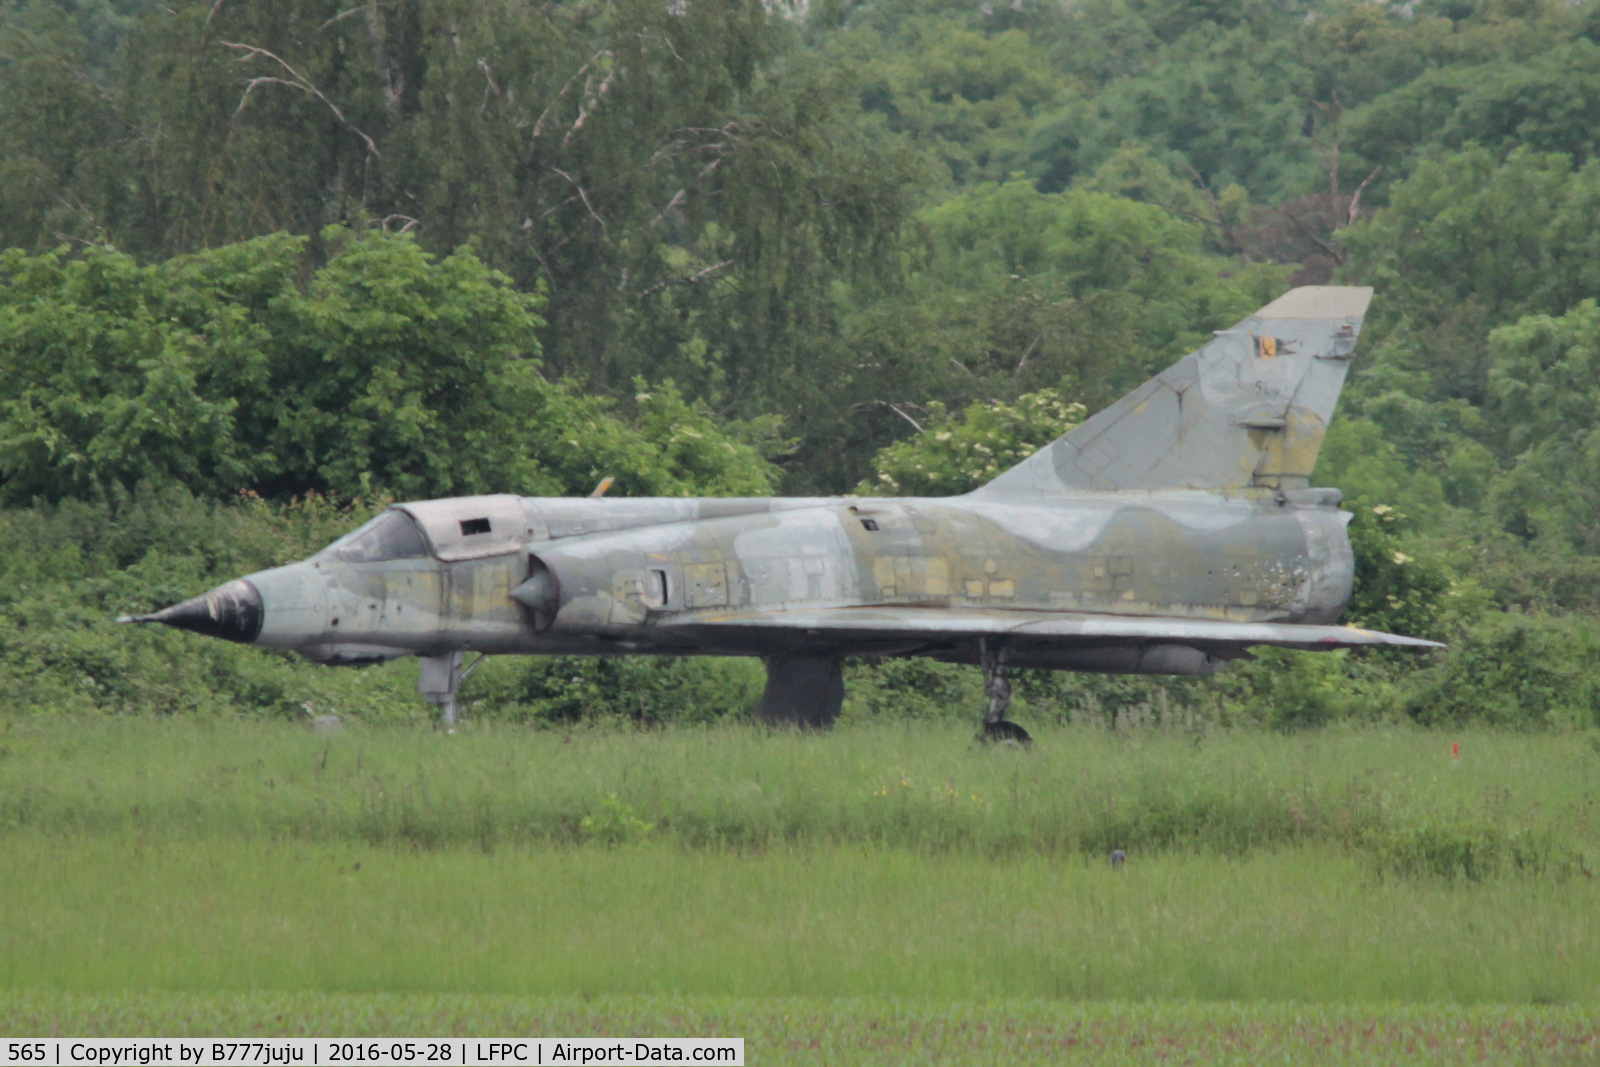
{"x": 202, "y": 855}
{"x": 1394, "y": 793}
{"x": 116, "y": 912}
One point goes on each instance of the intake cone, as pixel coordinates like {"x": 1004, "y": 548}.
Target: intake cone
{"x": 232, "y": 612}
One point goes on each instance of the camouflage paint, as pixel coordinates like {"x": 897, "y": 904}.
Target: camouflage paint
{"x": 1168, "y": 533}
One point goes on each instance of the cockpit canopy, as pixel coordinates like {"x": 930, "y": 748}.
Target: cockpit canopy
{"x": 452, "y": 529}
{"x": 392, "y": 535}
{"x": 466, "y": 527}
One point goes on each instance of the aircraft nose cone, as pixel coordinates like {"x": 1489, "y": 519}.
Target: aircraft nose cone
{"x": 232, "y": 612}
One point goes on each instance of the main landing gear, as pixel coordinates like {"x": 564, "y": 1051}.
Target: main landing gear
{"x": 997, "y": 729}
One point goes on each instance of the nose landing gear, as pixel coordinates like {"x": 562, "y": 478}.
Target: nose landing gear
{"x": 997, "y": 729}
{"x": 439, "y": 682}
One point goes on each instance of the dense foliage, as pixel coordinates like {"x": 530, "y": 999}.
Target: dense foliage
{"x": 387, "y": 371}
{"x": 726, "y": 246}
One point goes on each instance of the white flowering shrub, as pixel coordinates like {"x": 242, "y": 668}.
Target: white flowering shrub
{"x": 955, "y": 454}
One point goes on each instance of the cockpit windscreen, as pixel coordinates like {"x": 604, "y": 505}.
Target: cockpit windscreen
{"x": 391, "y": 535}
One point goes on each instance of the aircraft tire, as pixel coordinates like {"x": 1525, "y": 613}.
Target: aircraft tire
{"x": 1005, "y": 732}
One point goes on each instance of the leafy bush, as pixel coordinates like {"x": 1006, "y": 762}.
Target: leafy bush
{"x": 956, "y": 455}
{"x": 1519, "y": 671}
{"x": 1290, "y": 690}
{"x": 645, "y": 690}
{"x": 880, "y": 688}
{"x": 616, "y": 823}
{"x": 1403, "y": 584}
{"x": 388, "y": 370}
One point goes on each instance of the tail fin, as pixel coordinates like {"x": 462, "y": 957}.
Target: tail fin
{"x": 1248, "y": 409}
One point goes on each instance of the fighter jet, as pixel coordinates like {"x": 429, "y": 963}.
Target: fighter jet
{"x": 1168, "y": 534}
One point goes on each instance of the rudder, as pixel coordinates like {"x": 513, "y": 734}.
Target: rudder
{"x": 1250, "y": 408}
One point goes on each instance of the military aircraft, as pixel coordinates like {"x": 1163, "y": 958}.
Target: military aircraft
{"x": 1168, "y": 534}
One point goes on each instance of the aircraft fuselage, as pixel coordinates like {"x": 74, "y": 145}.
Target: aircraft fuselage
{"x": 582, "y": 576}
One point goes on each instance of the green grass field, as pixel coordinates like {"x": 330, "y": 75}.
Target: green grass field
{"x": 889, "y": 890}
{"x": 866, "y": 1030}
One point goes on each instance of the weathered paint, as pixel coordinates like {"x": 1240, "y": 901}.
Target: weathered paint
{"x": 1245, "y": 558}
{"x": 1182, "y": 555}
{"x": 1227, "y": 415}
{"x": 1168, "y": 534}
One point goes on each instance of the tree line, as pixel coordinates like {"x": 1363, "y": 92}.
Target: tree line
{"x": 418, "y": 247}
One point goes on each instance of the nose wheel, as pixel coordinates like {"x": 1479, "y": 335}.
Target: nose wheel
{"x": 997, "y": 729}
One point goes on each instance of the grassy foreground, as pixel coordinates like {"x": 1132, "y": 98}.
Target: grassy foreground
{"x": 795, "y": 1031}
{"x": 118, "y": 913}
{"x": 923, "y": 787}
{"x": 880, "y": 892}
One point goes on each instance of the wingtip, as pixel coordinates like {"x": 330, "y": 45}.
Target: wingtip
{"x": 1400, "y": 640}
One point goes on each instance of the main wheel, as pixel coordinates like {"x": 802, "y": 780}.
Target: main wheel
{"x": 1005, "y": 732}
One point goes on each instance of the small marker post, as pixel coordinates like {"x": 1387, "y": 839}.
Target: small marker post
{"x": 1455, "y": 752}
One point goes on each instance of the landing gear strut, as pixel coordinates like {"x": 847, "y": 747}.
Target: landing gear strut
{"x": 439, "y": 682}
{"x": 996, "y": 727}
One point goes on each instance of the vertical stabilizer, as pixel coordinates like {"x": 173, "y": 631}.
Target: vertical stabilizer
{"x": 1248, "y": 409}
